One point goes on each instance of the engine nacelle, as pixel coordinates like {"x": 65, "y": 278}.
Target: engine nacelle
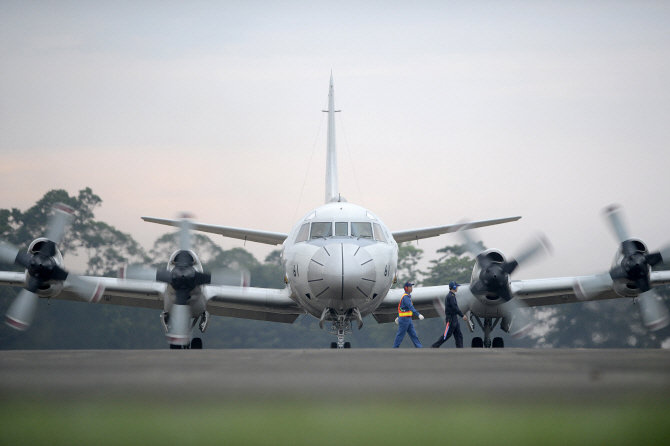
{"x": 490, "y": 276}
{"x": 53, "y": 287}
{"x": 184, "y": 259}
{"x": 194, "y": 261}
{"x": 625, "y": 287}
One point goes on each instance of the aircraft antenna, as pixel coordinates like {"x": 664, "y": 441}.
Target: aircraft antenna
{"x": 307, "y": 171}
{"x": 332, "y": 189}
{"x": 351, "y": 160}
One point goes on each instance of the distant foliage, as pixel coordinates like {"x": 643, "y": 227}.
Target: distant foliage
{"x": 453, "y": 264}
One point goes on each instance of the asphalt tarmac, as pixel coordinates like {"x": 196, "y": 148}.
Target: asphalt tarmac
{"x": 571, "y": 375}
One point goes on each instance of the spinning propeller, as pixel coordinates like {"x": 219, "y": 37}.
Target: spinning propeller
{"x": 184, "y": 278}
{"x": 494, "y": 278}
{"x": 43, "y": 268}
{"x": 634, "y": 270}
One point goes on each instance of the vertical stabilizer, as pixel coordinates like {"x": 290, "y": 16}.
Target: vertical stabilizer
{"x": 332, "y": 188}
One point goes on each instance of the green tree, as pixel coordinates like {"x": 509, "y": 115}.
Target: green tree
{"x": 453, "y": 264}
{"x": 409, "y": 257}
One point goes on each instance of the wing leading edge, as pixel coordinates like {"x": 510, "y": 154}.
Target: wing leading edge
{"x": 421, "y": 233}
{"x": 252, "y": 235}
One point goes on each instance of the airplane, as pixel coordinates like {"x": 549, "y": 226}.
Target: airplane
{"x": 340, "y": 262}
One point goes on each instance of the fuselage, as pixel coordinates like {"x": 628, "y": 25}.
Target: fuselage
{"x": 341, "y": 257}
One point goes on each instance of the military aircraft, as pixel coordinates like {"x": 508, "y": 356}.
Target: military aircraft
{"x": 340, "y": 261}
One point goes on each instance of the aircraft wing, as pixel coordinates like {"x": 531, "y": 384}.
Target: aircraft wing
{"x": 434, "y": 231}
{"x": 129, "y": 293}
{"x": 533, "y": 292}
{"x": 252, "y": 235}
{"x": 12, "y": 278}
{"x": 265, "y": 304}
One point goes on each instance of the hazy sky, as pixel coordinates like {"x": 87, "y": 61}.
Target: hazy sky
{"x": 450, "y": 110}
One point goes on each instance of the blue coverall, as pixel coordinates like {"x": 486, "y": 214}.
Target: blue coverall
{"x": 405, "y": 323}
{"x": 453, "y": 325}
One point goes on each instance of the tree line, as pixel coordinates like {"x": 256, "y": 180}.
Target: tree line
{"x": 77, "y": 325}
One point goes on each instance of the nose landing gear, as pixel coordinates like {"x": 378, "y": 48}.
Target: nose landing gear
{"x": 341, "y": 327}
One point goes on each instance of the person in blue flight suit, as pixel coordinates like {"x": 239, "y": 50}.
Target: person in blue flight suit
{"x": 452, "y": 311}
{"x": 404, "y": 319}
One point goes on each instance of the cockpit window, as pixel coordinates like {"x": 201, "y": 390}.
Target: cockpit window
{"x": 302, "y": 234}
{"x": 379, "y": 234}
{"x": 341, "y": 229}
{"x": 321, "y": 229}
{"x": 363, "y": 230}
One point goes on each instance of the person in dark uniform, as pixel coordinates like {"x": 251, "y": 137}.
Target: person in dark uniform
{"x": 452, "y": 311}
{"x": 404, "y": 319}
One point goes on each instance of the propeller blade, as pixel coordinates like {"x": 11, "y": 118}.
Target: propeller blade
{"x": 59, "y": 221}
{"x": 230, "y": 277}
{"x": 137, "y": 272}
{"x": 203, "y": 278}
{"x": 88, "y": 290}
{"x": 665, "y": 253}
{"x": 614, "y": 215}
{"x": 180, "y": 325}
{"x": 653, "y": 310}
{"x": 163, "y": 276}
{"x": 438, "y": 304}
{"x": 22, "y": 311}
{"x": 540, "y": 245}
{"x": 185, "y": 232}
{"x": 586, "y": 288}
{"x": 59, "y": 273}
{"x": 8, "y": 253}
{"x": 522, "y": 323}
{"x": 470, "y": 245}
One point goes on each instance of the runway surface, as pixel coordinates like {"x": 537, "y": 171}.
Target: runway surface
{"x": 365, "y": 373}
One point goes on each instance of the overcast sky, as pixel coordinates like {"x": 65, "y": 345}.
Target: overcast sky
{"x": 450, "y": 110}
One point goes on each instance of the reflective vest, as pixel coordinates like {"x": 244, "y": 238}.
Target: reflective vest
{"x": 404, "y": 313}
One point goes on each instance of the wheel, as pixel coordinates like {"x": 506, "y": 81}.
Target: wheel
{"x": 498, "y": 343}
{"x": 347, "y": 345}
{"x": 333, "y": 345}
{"x": 196, "y": 344}
{"x": 175, "y": 347}
{"x": 477, "y": 342}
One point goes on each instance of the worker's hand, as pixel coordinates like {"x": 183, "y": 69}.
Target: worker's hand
{"x": 465, "y": 318}
{"x": 421, "y": 317}
{"x": 396, "y": 321}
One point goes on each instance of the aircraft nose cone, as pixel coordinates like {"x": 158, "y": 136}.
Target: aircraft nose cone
{"x": 341, "y": 271}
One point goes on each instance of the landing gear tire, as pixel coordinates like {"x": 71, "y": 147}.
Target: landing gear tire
{"x": 196, "y": 344}
{"x": 347, "y": 345}
{"x": 498, "y": 343}
{"x": 333, "y": 345}
{"x": 477, "y": 342}
{"x": 175, "y": 347}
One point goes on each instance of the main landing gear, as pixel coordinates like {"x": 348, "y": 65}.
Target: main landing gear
{"x": 196, "y": 344}
{"x": 487, "y": 327}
